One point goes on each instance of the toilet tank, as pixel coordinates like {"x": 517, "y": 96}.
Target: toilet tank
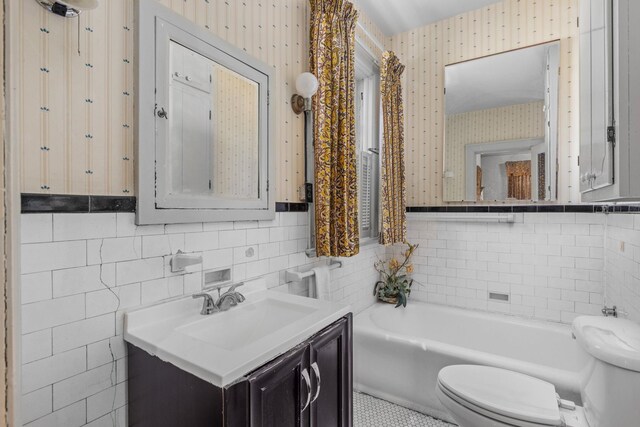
{"x": 610, "y": 385}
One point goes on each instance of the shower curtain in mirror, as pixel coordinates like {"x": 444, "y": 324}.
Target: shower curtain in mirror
{"x": 394, "y": 223}
{"x": 333, "y": 25}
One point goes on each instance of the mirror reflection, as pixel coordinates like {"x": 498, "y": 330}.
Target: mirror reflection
{"x": 501, "y": 127}
{"x": 213, "y": 126}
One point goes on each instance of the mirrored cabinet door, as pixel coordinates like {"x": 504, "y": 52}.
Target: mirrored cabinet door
{"x": 204, "y": 125}
{"x": 213, "y": 121}
{"x": 209, "y": 133}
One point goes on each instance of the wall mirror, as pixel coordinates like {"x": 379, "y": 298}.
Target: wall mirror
{"x": 501, "y": 127}
{"x": 203, "y": 125}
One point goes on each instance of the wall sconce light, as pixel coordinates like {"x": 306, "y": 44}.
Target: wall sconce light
{"x": 307, "y": 86}
{"x": 68, "y": 8}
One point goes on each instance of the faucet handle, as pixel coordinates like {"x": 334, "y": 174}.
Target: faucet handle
{"x": 208, "y": 306}
{"x": 233, "y": 287}
{"x": 204, "y": 295}
{"x": 226, "y": 301}
{"x": 237, "y": 295}
{"x": 232, "y": 290}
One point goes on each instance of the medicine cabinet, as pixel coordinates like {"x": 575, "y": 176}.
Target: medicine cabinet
{"x": 204, "y": 125}
{"x": 609, "y": 100}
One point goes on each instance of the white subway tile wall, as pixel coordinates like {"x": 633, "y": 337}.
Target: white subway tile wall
{"x": 622, "y": 264}
{"x": 77, "y": 282}
{"x": 81, "y": 271}
{"x": 550, "y": 265}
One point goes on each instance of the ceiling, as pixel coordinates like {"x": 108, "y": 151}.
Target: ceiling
{"x": 397, "y": 16}
{"x": 515, "y": 77}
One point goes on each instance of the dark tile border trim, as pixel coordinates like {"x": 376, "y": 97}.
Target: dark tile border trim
{"x": 291, "y": 207}
{"x": 57, "y": 203}
{"x": 60, "y": 203}
{"x": 634, "y": 208}
{"x": 112, "y": 204}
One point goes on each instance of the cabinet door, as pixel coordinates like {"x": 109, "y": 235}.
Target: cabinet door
{"x": 280, "y": 392}
{"x": 331, "y": 360}
{"x": 596, "y": 92}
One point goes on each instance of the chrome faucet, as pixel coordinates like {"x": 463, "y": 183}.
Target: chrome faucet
{"x": 610, "y": 311}
{"x": 225, "y": 301}
{"x": 209, "y": 306}
{"x": 230, "y": 298}
{"x": 235, "y": 296}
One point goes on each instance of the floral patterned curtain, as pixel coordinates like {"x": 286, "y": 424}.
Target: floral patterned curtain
{"x": 519, "y": 180}
{"x": 333, "y": 25}
{"x": 479, "y": 186}
{"x": 394, "y": 224}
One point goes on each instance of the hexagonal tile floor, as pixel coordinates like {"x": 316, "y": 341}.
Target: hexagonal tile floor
{"x": 369, "y": 411}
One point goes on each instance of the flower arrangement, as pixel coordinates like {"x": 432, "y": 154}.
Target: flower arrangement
{"x": 395, "y": 285}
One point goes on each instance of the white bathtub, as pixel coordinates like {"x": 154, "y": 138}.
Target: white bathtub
{"x": 399, "y": 352}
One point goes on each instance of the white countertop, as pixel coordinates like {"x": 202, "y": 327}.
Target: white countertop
{"x": 222, "y": 347}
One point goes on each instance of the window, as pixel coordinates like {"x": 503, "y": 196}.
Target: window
{"x": 368, "y": 133}
{"x": 368, "y": 142}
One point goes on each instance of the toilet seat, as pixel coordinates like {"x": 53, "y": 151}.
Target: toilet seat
{"x": 509, "y": 397}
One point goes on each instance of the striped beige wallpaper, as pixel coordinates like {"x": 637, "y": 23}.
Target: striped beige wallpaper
{"x": 75, "y": 94}
{"x": 75, "y": 110}
{"x": 503, "y": 26}
{"x": 235, "y": 127}
{"x": 523, "y": 121}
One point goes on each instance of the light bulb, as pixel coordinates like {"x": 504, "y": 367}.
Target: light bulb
{"x": 306, "y": 85}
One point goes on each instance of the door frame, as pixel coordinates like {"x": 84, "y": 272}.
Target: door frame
{"x": 472, "y": 150}
{"x": 11, "y": 195}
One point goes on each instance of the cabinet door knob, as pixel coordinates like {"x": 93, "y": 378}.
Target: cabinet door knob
{"x": 307, "y": 379}
{"x": 316, "y": 371}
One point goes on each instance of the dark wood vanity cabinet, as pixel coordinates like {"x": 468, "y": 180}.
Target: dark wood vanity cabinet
{"x": 308, "y": 386}
{"x": 331, "y": 357}
{"x": 278, "y": 392}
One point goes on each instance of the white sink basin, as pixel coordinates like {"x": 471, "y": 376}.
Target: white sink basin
{"x": 245, "y": 324}
{"x": 224, "y": 346}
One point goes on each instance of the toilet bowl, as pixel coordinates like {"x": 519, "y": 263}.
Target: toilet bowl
{"x": 484, "y": 396}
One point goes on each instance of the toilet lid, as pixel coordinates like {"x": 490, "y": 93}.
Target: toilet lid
{"x": 503, "y": 392}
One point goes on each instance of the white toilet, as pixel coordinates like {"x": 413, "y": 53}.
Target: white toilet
{"x": 483, "y": 396}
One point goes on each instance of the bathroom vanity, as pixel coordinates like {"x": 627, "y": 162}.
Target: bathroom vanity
{"x": 275, "y": 360}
